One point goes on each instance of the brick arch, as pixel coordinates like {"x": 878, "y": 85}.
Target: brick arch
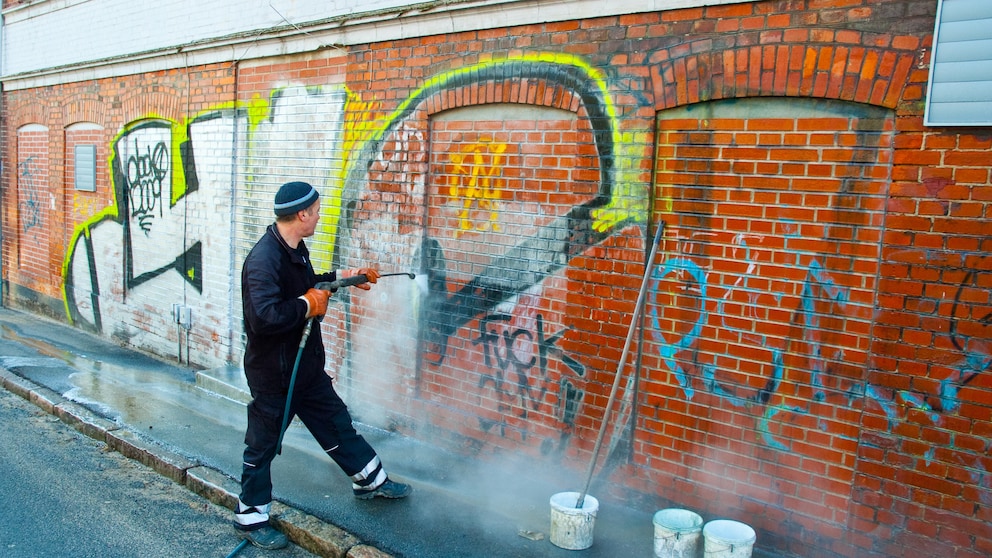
{"x": 142, "y": 103}
{"x": 696, "y": 72}
{"x": 27, "y": 113}
{"x": 535, "y": 92}
{"x": 77, "y": 110}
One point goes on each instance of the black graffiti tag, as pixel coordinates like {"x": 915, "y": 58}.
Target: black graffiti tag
{"x": 145, "y": 174}
{"x": 527, "y": 389}
{"x": 490, "y": 341}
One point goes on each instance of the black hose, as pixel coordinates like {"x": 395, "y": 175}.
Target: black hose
{"x": 292, "y": 384}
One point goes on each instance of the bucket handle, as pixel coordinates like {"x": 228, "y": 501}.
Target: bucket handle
{"x": 731, "y": 545}
{"x": 676, "y": 535}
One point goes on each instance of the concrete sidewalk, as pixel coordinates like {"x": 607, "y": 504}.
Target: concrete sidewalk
{"x": 189, "y": 426}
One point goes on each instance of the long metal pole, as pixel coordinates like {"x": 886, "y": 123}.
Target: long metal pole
{"x": 623, "y": 359}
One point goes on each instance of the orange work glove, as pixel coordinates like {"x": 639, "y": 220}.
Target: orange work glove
{"x": 372, "y": 274}
{"x": 316, "y": 300}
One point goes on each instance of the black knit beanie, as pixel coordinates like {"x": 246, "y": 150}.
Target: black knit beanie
{"x": 293, "y": 197}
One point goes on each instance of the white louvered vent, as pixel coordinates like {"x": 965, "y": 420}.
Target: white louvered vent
{"x": 960, "y": 84}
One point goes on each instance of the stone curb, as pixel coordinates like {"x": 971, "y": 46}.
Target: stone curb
{"x": 84, "y": 420}
{"x": 162, "y": 461}
{"x": 307, "y": 531}
{"x": 312, "y": 533}
{"x": 16, "y": 384}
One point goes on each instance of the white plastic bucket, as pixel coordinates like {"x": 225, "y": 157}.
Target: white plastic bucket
{"x": 676, "y": 533}
{"x": 571, "y": 527}
{"x": 724, "y": 538}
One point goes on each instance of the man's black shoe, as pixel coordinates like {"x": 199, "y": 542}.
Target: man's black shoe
{"x": 388, "y": 489}
{"x": 265, "y": 537}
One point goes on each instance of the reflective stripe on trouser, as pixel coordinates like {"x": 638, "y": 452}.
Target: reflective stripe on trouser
{"x": 371, "y": 477}
{"x": 251, "y": 516}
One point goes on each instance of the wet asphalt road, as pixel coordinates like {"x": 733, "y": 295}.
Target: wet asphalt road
{"x": 67, "y": 495}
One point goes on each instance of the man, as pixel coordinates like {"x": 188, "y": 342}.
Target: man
{"x": 277, "y": 290}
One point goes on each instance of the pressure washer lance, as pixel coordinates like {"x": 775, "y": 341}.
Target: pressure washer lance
{"x": 354, "y": 280}
{"x": 324, "y": 286}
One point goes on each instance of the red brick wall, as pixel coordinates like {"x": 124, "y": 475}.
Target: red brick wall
{"x": 757, "y": 178}
{"x": 493, "y": 177}
{"x": 921, "y": 480}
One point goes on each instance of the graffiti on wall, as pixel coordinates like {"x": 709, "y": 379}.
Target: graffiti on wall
{"x": 815, "y": 295}
{"x": 29, "y": 205}
{"x": 34, "y": 202}
{"x": 126, "y": 244}
{"x": 476, "y": 181}
{"x": 582, "y": 226}
{"x": 803, "y": 388}
{"x": 778, "y": 326}
{"x": 516, "y": 377}
{"x": 146, "y": 174}
{"x": 171, "y": 183}
{"x": 156, "y": 178}
{"x": 970, "y": 329}
{"x": 502, "y": 308}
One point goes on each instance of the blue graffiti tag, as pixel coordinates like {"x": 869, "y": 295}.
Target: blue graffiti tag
{"x": 30, "y": 207}
{"x": 669, "y": 350}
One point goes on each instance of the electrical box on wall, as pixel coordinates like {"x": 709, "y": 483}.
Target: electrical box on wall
{"x": 182, "y": 315}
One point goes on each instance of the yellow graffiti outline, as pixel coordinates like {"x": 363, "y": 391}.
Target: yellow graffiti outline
{"x": 625, "y": 202}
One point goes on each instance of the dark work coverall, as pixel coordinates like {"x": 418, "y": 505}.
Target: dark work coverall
{"x": 272, "y": 278}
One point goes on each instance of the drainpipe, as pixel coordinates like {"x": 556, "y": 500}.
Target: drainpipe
{"x": 3, "y": 133}
{"x": 233, "y": 297}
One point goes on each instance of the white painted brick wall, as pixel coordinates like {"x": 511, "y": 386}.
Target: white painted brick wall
{"x": 52, "y": 34}
{"x": 58, "y": 33}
